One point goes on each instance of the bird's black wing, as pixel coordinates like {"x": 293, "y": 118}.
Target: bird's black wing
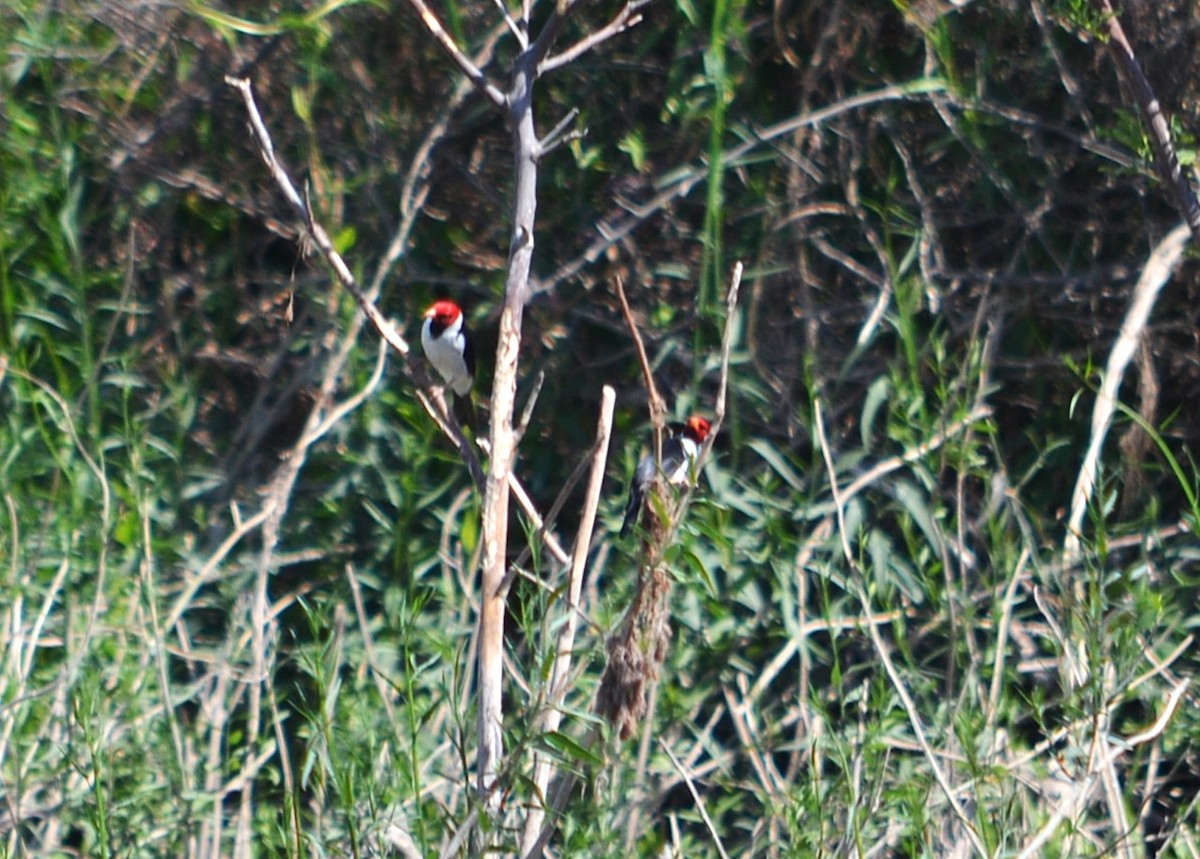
{"x": 469, "y": 354}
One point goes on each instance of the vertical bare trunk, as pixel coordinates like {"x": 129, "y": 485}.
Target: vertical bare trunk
{"x": 504, "y": 390}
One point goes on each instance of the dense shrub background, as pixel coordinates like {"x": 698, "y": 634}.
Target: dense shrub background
{"x": 968, "y": 240}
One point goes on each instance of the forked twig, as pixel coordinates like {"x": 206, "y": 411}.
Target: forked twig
{"x": 530, "y": 402}
{"x": 443, "y": 38}
{"x": 624, "y": 19}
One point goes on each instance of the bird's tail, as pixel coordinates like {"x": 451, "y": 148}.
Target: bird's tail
{"x": 633, "y": 508}
{"x": 465, "y": 413}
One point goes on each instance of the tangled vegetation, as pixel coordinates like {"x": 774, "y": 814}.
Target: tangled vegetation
{"x": 923, "y": 599}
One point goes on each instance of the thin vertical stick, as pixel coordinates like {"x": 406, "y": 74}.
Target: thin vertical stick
{"x": 552, "y": 715}
{"x": 658, "y": 408}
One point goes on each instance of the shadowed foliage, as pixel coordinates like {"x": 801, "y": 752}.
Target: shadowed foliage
{"x": 940, "y": 251}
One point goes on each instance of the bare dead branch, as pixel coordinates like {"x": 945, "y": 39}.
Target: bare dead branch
{"x": 351, "y": 403}
{"x": 518, "y": 31}
{"x": 530, "y": 63}
{"x": 415, "y": 188}
{"x": 556, "y": 143}
{"x": 443, "y": 38}
{"x": 267, "y": 150}
{"x": 539, "y": 524}
{"x": 432, "y": 398}
{"x": 543, "y": 525}
{"x": 530, "y": 402}
{"x": 555, "y": 136}
{"x": 262, "y": 622}
{"x": 731, "y": 299}
{"x": 727, "y": 335}
{"x": 658, "y": 408}
{"x": 624, "y": 19}
{"x": 501, "y": 438}
{"x": 208, "y": 572}
{"x": 700, "y": 806}
{"x": 1170, "y": 172}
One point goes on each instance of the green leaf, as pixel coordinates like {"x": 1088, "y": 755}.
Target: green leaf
{"x": 693, "y": 560}
{"x": 633, "y": 145}
{"x": 778, "y": 464}
{"x": 877, "y": 396}
{"x": 470, "y": 531}
{"x": 345, "y": 239}
{"x": 571, "y": 749}
{"x": 301, "y": 104}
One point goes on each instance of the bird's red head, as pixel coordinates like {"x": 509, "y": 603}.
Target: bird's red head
{"x": 443, "y": 313}
{"x": 697, "y": 428}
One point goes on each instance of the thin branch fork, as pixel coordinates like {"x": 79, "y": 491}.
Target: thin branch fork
{"x": 558, "y": 135}
{"x": 624, "y": 19}
{"x": 476, "y": 76}
{"x": 267, "y": 150}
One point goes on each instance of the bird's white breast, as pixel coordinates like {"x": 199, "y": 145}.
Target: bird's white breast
{"x": 683, "y": 471}
{"x": 445, "y": 353}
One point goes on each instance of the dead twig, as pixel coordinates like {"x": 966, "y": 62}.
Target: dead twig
{"x": 658, "y": 407}
{"x": 627, "y": 17}
{"x": 687, "y": 779}
{"x": 637, "y": 650}
{"x": 1166, "y": 160}
{"x": 443, "y": 38}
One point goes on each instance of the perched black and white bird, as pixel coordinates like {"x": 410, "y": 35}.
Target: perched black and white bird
{"x": 679, "y": 451}
{"x": 448, "y": 348}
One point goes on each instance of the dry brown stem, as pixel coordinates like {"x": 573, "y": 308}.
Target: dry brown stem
{"x": 658, "y": 408}
{"x": 636, "y": 653}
